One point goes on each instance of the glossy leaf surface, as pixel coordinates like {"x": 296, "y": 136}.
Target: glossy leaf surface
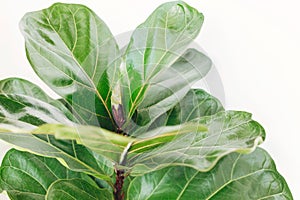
{"x": 76, "y": 189}
{"x": 195, "y": 104}
{"x": 154, "y": 46}
{"x": 112, "y": 145}
{"x": 235, "y": 177}
{"x": 101, "y": 141}
{"x": 74, "y": 156}
{"x": 133, "y": 113}
{"x": 25, "y": 105}
{"x": 198, "y": 144}
{"x": 73, "y": 51}
{"x": 20, "y": 113}
{"x": 171, "y": 85}
{"x": 226, "y": 132}
{"x": 27, "y": 176}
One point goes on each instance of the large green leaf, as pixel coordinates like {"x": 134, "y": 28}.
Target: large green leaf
{"x": 226, "y": 132}
{"x": 20, "y": 113}
{"x": 20, "y": 110}
{"x": 69, "y": 153}
{"x": 76, "y": 189}
{"x": 154, "y": 46}
{"x": 18, "y": 86}
{"x": 73, "y": 51}
{"x": 195, "y": 104}
{"x": 199, "y": 143}
{"x": 27, "y": 176}
{"x": 23, "y": 87}
{"x": 235, "y": 177}
{"x": 101, "y": 141}
{"x": 112, "y": 145}
{"x": 16, "y": 110}
{"x": 171, "y": 85}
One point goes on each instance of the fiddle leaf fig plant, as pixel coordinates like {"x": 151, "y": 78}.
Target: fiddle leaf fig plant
{"x": 128, "y": 124}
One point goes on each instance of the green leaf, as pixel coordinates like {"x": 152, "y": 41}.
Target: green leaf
{"x": 112, "y": 145}
{"x": 199, "y": 143}
{"x": 154, "y": 46}
{"x": 76, "y": 189}
{"x": 27, "y": 176}
{"x": 72, "y": 50}
{"x": 23, "y": 87}
{"x": 195, "y": 104}
{"x": 235, "y": 177}
{"x": 226, "y": 132}
{"x": 166, "y": 89}
{"x": 21, "y": 113}
{"x": 74, "y": 156}
{"x": 101, "y": 141}
{"x": 23, "y": 101}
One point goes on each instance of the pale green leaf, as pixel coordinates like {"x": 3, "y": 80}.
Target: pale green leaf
{"x": 226, "y": 132}
{"x": 101, "y": 141}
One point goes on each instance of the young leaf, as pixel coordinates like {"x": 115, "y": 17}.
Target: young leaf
{"x": 76, "y": 189}
{"x": 73, "y": 51}
{"x": 154, "y": 46}
{"x": 166, "y": 89}
{"x": 226, "y": 132}
{"x": 27, "y": 176}
{"x": 235, "y": 177}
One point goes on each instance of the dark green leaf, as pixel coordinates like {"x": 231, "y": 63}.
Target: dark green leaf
{"x": 197, "y": 103}
{"x": 154, "y": 46}
{"x": 73, "y": 51}
{"x": 72, "y": 155}
{"x": 20, "y": 86}
{"x": 20, "y": 113}
{"x": 235, "y": 177}
{"x": 16, "y": 110}
{"x": 27, "y": 176}
{"x": 172, "y": 84}
{"x": 76, "y": 189}
{"x": 23, "y": 101}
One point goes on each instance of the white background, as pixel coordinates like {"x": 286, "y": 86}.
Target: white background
{"x": 255, "y": 46}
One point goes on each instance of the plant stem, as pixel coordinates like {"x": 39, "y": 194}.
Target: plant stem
{"x": 118, "y": 192}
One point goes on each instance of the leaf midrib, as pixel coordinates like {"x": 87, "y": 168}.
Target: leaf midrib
{"x": 80, "y": 67}
{"x": 154, "y": 68}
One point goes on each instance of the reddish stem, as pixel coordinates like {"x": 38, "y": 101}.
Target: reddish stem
{"x": 118, "y": 192}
